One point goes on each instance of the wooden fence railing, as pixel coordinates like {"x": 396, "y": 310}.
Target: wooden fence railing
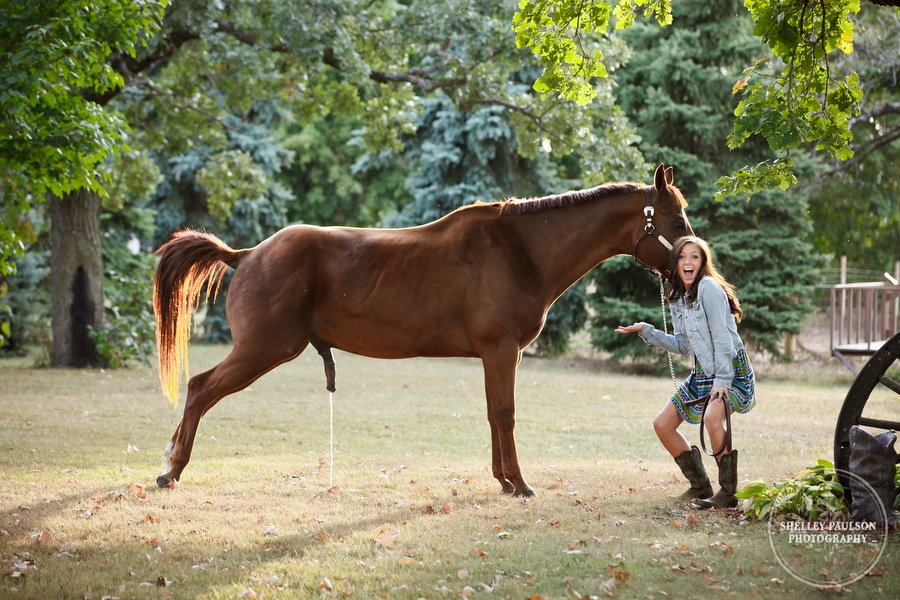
{"x": 864, "y": 316}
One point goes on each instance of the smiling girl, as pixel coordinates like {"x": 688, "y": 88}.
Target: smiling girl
{"x": 705, "y": 312}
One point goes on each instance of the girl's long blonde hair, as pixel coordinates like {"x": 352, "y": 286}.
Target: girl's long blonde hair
{"x": 708, "y": 267}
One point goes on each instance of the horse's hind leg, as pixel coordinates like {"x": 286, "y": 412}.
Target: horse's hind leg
{"x": 237, "y": 371}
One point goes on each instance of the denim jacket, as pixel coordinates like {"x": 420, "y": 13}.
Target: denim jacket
{"x": 707, "y": 329}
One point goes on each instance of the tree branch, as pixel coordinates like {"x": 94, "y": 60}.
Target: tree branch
{"x": 422, "y": 81}
{"x": 129, "y": 68}
{"x": 533, "y": 117}
{"x": 888, "y": 108}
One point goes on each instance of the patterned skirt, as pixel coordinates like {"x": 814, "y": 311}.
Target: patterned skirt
{"x": 742, "y": 394}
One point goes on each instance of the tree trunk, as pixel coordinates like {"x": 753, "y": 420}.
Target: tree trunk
{"x": 76, "y": 278}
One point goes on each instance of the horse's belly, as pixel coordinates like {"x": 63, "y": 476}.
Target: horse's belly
{"x": 367, "y": 337}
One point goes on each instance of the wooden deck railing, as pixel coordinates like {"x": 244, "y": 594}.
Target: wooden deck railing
{"x": 863, "y": 316}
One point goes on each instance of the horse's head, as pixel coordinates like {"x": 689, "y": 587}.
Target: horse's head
{"x": 663, "y": 221}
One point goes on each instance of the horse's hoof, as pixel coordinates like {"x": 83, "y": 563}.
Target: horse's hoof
{"x": 164, "y": 482}
{"x": 526, "y": 493}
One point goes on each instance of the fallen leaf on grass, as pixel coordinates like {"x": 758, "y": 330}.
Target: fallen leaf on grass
{"x": 21, "y": 564}
{"x": 43, "y": 537}
{"x": 573, "y": 594}
{"x": 332, "y": 490}
{"x": 139, "y": 492}
{"x": 385, "y": 539}
{"x": 726, "y": 549}
{"x": 618, "y": 573}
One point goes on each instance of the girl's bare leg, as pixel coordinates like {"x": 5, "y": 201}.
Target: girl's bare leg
{"x": 715, "y": 424}
{"x": 666, "y": 426}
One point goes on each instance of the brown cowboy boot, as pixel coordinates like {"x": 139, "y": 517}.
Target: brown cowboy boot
{"x": 691, "y": 464}
{"x": 724, "y": 498}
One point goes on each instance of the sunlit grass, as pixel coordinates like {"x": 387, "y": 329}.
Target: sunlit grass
{"x": 414, "y": 511}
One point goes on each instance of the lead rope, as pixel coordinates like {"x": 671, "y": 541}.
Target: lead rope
{"x": 662, "y": 303}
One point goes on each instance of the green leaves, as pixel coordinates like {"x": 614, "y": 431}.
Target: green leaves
{"x": 815, "y": 492}
{"x": 766, "y": 175}
{"x": 52, "y": 137}
{"x": 564, "y": 34}
{"x": 231, "y": 176}
{"x": 802, "y": 105}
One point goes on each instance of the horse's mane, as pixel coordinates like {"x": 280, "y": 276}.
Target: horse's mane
{"x": 527, "y": 206}
{"x": 519, "y": 206}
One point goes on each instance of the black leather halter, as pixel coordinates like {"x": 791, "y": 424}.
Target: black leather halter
{"x": 650, "y": 229}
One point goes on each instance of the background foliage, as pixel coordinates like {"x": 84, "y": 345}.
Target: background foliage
{"x": 394, "y": 113}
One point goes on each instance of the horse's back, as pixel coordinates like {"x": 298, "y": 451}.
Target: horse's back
{"x": 388, "y": 293}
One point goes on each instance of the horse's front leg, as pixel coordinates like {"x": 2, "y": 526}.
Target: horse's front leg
{"x": 496, "y": 460}
{"x": 500, "y": 388}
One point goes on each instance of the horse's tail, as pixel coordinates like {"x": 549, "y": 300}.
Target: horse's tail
{"x": 187, "y": 262}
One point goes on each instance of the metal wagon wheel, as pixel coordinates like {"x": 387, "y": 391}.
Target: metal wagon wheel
{"x": 873, "y": 375}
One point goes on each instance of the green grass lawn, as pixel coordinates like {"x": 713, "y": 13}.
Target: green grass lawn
{"x": 414, "y": 511}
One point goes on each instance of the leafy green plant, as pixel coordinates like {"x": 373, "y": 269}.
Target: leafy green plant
{"x": 815, "y": 491}
{"x": 5, "y": 313}
{"x": 897, "y": 486}
{"x": 127, "y": 334}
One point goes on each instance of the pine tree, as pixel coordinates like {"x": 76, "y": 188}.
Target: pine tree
{"x": 677, "y": 91}
{"x": 458, "y": 158}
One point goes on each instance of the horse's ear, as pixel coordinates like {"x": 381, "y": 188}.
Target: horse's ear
{"x": 660, "y": 178}
{"x": 670, "y": 176}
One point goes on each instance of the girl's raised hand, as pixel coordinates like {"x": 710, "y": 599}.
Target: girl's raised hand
{"x": 629, "y": 328}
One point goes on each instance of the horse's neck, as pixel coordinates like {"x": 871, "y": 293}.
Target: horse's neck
{"x": 568, "y": 242}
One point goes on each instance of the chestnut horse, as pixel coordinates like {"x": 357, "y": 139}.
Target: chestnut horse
{"x": 475, "y": 283}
